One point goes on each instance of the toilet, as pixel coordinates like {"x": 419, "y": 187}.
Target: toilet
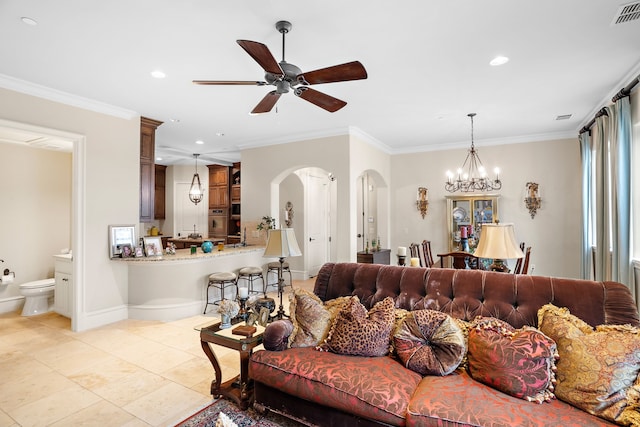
{"x": 37, "y": 296}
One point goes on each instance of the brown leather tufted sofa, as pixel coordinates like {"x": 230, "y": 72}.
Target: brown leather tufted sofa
{"x": 464, "y": 294}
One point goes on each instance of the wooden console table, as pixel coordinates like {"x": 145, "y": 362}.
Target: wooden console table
{"x": 239, "y": 389}
{"x": 383, "y": 256}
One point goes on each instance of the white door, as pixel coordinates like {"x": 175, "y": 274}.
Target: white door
{"x": 317, "y": 223}
{"x": 189, "y": 216}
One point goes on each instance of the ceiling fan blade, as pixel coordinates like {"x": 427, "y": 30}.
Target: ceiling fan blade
{"x": 338, "y": 73}
{"x": 230, "y": 82}
{"x": 267, "y": 103}
{"x": 320, "y": 99}
{"x": 262, "y": 55}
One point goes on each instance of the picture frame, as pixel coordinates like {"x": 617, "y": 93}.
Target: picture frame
{"x": 153, "y": 246}
{"x": 120, "y": 235}
{"x": 126, "y": 250}
{"x": 139, "y": 252}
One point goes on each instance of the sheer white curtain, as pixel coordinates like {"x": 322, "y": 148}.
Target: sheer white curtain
{"x": 606, "y": 196}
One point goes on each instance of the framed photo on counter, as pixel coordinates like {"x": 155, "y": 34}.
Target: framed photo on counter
{"x": 153, "y": 246}
{"x": 120, "y": 235}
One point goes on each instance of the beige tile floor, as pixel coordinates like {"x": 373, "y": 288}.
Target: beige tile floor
{"x": 130, "y": 373}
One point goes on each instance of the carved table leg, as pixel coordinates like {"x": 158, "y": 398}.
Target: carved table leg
{"x": 215, "y": 384}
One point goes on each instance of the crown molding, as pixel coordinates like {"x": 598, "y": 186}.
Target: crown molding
{"x": 39, "y": 91}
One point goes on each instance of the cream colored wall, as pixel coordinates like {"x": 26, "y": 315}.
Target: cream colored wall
{"x": 262, "y": 166}
{"x": 35, "y": 206}
{"x": 554, "y": 233}
{"x": 111, "y": 196}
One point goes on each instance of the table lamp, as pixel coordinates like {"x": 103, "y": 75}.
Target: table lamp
{"x": 498, "y": 241}
{"x": 281, "y": 243}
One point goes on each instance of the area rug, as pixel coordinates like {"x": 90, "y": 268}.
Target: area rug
{"x": 207, "y": 417}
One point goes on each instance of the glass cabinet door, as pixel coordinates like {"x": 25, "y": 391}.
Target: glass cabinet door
{"x": 465, "y": 216}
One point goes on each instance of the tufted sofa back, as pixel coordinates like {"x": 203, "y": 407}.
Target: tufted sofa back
{"x": 466, "y": 294}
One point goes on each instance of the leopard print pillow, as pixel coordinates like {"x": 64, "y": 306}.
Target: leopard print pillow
{"x": 358, "y": 333}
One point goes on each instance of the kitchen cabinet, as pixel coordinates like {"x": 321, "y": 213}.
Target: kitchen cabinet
{"x": 235, "y": 232}
{"x": 469, "y": 212}
{"x": 147, "y": 168}
{"x": 63, "y": 290}
{"x": 159, "y": 204}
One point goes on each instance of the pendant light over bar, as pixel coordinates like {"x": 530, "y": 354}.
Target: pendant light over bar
{"x": 195, "y": 191}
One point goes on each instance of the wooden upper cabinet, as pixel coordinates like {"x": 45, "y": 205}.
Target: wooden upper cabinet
{"x": 159, "y": 211}
{"x": 147, "y": 168}
{"x": 218, "y": 186}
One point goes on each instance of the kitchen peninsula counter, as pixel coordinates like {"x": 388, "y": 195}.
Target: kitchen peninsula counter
{"x": 172, "y": 287}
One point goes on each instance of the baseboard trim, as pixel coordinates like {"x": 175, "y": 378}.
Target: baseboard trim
{"x": 166, "y": 313}
{"x": 99, "y": 318}
{"x": 11, "y": 304}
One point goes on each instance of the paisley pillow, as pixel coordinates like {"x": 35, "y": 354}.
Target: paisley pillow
{"x": 357, "y": 332}
{"x": 311, "y": 317}
{"x": 429, "y": 342}
{"x": 518, "y": 362}
{"x": 597, "y": 369}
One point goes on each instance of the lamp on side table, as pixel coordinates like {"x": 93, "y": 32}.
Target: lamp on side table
{"x": 281, "y": 243}
{"x": 498, "y": 241}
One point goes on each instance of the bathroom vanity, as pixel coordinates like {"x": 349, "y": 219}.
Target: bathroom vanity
{"x": 63, "y": 293}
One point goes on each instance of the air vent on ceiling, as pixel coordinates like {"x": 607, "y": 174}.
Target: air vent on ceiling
{"x": 563, "y": 117}
{"x": 626, "y": 13}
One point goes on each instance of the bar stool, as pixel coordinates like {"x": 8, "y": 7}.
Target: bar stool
{"x": 250, "y": 274}
{"x": 220, "y": 280}
{"x": 273, "y": 267}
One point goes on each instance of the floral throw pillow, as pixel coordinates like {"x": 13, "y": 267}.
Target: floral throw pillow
{"x": 519, "y": 362}
{"x": 597, "y": 369}
{"x": 429, "y": 342}
{"x": 357, "y": 332}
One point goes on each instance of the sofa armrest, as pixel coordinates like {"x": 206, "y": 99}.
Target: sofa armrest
{"x": 276, "y": 335}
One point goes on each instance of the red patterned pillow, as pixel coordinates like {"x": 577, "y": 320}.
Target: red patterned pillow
{"x": 520, "y": 363}
{"x": 429, "y": 342}
{"x": 358, "y": 333}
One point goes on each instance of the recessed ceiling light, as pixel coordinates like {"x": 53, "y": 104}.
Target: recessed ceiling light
{"x": 158, "y": 159}
{"x": 499, "y": 60}
{"x": 175, "y": 120}
{"x": 219, "y": 134}
{"x": 158, "y": 74}
{"x": 29, "y": 21}
{"x": 199, "y": 142}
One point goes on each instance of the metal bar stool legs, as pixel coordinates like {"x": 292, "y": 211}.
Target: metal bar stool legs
{"x": 251, "y": 274}
{"x": 273, "y": 267}
{"x": 219, "y": 281}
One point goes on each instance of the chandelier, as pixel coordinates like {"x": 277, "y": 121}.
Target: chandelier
{"x": 195, "y": 191}
{"x": 472, "y": 176}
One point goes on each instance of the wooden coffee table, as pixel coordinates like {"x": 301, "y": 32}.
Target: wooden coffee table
{"x": 240, "y": 388}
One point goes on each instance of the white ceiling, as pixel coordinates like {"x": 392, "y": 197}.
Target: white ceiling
{"x": 427, "y": 62}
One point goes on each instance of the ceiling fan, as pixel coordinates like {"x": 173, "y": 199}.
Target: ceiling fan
{"x": 285, "y": 76}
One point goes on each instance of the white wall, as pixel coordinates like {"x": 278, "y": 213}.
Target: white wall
{"x": 554, "y": 233}
{"x": 264, "y": 165}
{"x": 110, "y": 166}
{"x": 35, "y": 207}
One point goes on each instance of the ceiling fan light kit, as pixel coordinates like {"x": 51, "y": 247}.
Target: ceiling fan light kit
{"x": 288, "y": 77}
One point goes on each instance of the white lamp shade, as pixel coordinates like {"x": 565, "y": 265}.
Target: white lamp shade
{"x": 498, "y": 241}
{"x": 282, "y": 243}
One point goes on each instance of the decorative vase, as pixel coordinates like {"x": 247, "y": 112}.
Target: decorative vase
{"x": 207, "y": 246}
{"x": 226, "y": 321}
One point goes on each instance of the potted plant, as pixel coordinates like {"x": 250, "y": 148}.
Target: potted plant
{"x": 267, "y": 223}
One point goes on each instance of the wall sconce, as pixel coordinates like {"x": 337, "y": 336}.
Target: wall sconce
{"x": 288, "y": 214}
{"x": 533, "y": 200}
{"x": 422, "y": 203}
